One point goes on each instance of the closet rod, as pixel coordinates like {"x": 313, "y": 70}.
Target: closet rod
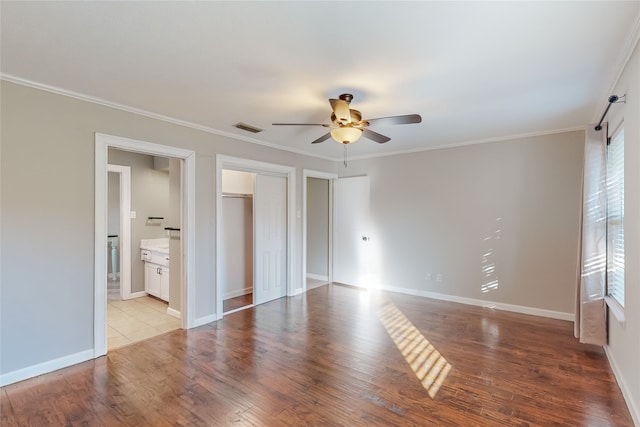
{"x": 243, "y": 196}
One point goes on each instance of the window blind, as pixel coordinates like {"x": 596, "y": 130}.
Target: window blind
{"x": 615, "y": 217}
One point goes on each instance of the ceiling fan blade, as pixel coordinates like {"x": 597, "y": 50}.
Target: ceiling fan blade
{"x": 299, "y": 124}
{"x": 396, "y": 120}
{"x": 322, "y": 138}
{"x": 341, "y": 110}
{"x": 375, "y": 136}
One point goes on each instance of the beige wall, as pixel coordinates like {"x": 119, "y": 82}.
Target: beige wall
{"x": 624, "y": 338}
{"x": 47, "y": 197}
{"x": 498, "y": 221}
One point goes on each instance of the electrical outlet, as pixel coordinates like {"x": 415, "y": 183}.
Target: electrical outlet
{"x": 428, "y": 276}
{"x": 439, "y": 277}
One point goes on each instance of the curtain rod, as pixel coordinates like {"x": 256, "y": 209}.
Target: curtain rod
{"x": 613, "y": 99}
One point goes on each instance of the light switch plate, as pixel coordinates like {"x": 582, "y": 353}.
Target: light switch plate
{"x": 133, "y": 214}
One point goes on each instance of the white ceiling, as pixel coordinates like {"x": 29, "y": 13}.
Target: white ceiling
{"x": 475, "y": 71}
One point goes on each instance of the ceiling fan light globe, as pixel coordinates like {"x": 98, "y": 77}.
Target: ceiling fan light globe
{"x": 346, "y": 135}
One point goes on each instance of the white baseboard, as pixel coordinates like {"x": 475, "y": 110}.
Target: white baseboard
{"x": 173, "y": 312}
{"x": 204, "y": 320}
{"x": 634, "y": 410}
{"x": 483, "y": 303}
{"x": 45, "y": 367}
{"x": 296, "y": 291}
{"x": 238, "y": 292}
{"x": 137, "y": 295}
{"x": 500, "y": 306}
{"x": 317, "y": 277}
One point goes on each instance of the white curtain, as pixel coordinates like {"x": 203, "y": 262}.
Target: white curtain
{"x": 591, "y": 321}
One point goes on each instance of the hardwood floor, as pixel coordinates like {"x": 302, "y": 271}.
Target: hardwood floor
{"x": 314, "y": 283}
{"x": 335, "y": 357}
{"x": 237, "y": 302}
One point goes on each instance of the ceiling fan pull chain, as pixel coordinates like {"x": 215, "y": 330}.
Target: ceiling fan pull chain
{"x": 345, "y": 155}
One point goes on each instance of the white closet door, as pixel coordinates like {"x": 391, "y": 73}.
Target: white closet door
{"x": 351, "y": 263}
{"x": 270, "y": 216}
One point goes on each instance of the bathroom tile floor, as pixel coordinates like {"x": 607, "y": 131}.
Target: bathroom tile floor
{"x": 113, "y": 290}
{"x": 137, "y": 319}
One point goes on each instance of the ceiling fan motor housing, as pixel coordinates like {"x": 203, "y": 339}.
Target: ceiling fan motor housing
{"x": 347, "y": 97}
{"x": 355, "y": 119}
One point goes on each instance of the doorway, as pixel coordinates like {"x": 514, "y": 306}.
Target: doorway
{"x": 237, "y": 240}
{"x": 119, "y": 232}
{"x": 273, "y": 204}
{"x": 148, "y": 301}
{"x": 185, "y": 228}
{"x": 317, "y": 228}
{"x": 355, "y": 262}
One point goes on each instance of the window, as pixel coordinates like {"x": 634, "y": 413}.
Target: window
{"x": 615, "y": 217}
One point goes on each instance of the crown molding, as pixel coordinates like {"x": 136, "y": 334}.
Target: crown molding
{"x": 468, "y": 143}
{"x": 94, "y": 100}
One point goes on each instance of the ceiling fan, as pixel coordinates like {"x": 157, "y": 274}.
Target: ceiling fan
{"x": 347, "y": 125}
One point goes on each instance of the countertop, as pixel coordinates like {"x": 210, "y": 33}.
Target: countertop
{"x": 156, "y": 245}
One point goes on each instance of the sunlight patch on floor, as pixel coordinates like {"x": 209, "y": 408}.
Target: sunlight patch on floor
{"x": 427, "y": 363}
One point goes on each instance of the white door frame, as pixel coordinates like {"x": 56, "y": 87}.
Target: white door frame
{"x": 253, "y": 166}
{"x": 308, "y": 173}
{"x": 187, "y": 224}
{"x": 124, "y": 234}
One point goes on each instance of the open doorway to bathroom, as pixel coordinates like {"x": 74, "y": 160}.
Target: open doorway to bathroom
{"x": 179, "y": 229}
{"x": 143, "y": 299}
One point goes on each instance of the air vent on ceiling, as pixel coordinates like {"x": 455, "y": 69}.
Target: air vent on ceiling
{"x": 248, "y": 128}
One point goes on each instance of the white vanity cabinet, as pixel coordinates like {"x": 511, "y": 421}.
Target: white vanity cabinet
{"x": 152, "y": 279}
{"x": 164, "y": 283}
{"x": 156, "y": 273}
{"x": 156, "y": 280}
